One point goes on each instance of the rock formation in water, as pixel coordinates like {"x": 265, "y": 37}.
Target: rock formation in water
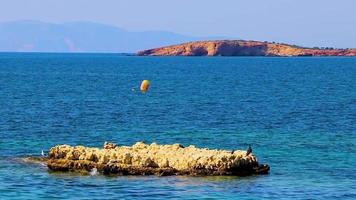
{"x": 242, "y": 48}
{"x": 144, "y": 159}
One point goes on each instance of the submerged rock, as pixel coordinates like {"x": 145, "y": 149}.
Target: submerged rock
{"x": 144, "y": 159}
{"x": 33, "y": 159}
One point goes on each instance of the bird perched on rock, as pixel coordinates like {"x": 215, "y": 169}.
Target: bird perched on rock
{"x": 108, "y": 145}
{"x": 249, "y": 150}
{"x": 42, "y": 153}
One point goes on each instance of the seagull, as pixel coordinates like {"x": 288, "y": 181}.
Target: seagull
{"x": 42, "y": 153}
{"x": 249, "y": 150}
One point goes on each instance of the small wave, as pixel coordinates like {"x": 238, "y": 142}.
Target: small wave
{"x": 94, "y": 172}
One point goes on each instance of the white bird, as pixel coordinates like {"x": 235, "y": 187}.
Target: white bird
{"x": 42, "y": 153}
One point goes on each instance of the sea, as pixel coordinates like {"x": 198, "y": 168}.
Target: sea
{"x": 298, "y": 114}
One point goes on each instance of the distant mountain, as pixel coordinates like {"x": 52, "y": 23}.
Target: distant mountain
{"x": 36, "y": 36}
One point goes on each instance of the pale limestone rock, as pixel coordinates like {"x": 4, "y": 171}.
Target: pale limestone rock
{"x": 143, "y": 158}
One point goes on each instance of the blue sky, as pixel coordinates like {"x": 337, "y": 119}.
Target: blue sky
{"x": 302, "y": 22}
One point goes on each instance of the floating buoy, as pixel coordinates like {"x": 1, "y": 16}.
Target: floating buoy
{"x": 145, "y": 85}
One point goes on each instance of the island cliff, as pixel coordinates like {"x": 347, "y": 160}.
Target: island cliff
{"x": 242, "y": 48}
{"x": 147, "y": 159}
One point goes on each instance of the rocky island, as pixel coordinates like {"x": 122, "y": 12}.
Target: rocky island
{"x": 242, "y": 48}
{"x": 153, "y": 159}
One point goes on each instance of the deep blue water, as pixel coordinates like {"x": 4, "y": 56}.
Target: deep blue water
{"x": 299, "y": 114}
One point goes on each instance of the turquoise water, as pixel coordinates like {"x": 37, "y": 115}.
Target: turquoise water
{"x": 299, "y": 114}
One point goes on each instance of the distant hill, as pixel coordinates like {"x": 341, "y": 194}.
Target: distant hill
{"x": 36, "y": 36}
{"x": 242, "y": 48}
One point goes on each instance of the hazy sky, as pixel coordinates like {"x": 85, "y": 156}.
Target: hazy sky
{"x": 303, "y": 22}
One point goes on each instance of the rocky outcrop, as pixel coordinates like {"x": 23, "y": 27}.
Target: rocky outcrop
{"x": 144, "y": 159}
{"x": 242, "y": 48}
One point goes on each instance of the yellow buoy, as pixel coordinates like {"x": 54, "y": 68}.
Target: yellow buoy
{"x": 145, "y": 85}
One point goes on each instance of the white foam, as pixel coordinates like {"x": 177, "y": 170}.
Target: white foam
{"x": 94, "y": 172}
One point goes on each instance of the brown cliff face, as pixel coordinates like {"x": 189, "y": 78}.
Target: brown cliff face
{"x": 241, "y": 48}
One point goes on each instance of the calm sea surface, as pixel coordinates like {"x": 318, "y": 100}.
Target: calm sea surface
{"x": 299, "y": 114}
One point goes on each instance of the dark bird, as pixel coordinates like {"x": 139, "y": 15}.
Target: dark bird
{"x": 249, "y": 150}
{"x": 233, "y": 151}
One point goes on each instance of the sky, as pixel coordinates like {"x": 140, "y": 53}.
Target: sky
{"x": 302, "y": 22}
